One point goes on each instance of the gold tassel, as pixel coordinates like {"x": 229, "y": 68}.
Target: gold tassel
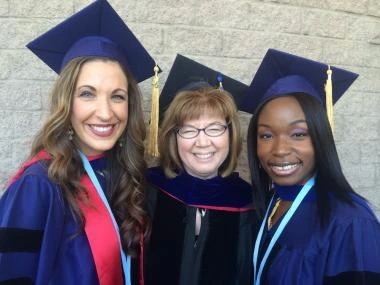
{"x": 220, "y": 80}
{"x": 329, "y": 99}
{"x": 153, "y": 131}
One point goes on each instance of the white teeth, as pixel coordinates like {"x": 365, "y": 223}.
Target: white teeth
{"x": 101, "y": 129}
{"x": 285, "y": 167}
{"x": 203, "y": 155}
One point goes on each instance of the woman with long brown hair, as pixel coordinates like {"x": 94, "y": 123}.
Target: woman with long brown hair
{"x": 74, "y": 212}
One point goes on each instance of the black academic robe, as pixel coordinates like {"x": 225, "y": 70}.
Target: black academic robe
{"x": 221, "y": 254}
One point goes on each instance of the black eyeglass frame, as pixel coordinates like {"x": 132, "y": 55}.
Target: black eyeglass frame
{"x": 225, "y": 127}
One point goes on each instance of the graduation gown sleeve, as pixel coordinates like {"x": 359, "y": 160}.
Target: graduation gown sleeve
{"x": 31, "y": 224}
{"x": 40, "y": 240}
{"x": 353, "y": 253}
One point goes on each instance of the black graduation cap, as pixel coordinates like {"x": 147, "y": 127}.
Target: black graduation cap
{"x": 281, "y": 73}
{"x": 96, "y": 30}
{"x": 189, "y": 74}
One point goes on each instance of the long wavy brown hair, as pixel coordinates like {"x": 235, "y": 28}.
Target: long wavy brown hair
{"x": 126, "y": 165}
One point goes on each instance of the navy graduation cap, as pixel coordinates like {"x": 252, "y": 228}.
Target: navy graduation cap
{"x": 187, "y": 74}
{"x": 96, "y": 30}
{"x": 281, "y": 73}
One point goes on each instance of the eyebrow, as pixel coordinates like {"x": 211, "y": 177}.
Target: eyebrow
{"x": 94, "y": 89}
{"x": 86, "y": 86}
{"x": 292, "y": 123}
{"x": 212, "y": 123}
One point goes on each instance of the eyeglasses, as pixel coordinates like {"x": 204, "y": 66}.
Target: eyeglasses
{"x": 190, "y": 132}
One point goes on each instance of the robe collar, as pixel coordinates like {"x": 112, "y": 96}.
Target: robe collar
{"x": 224, "y": 193}
{"x": 289, "y": 193}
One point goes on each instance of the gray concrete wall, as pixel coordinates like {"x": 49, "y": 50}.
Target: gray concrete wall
{"x": 229, "y": 35}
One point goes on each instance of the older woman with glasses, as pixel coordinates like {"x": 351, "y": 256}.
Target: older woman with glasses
{"x": 202, "y": 220}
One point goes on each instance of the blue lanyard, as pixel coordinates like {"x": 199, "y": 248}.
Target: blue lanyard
{"x": 257, "y": 274}
{"x": 126, "y": 260}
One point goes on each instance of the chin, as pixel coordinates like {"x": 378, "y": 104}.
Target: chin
{"x": 286, "y": 181}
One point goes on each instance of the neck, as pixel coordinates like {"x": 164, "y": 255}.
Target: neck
{"x": 94, "y": 156}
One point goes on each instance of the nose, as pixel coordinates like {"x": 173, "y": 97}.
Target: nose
{"x": 281, "y": 146}
{"x": 202, "y": 139}
{"x": 104, "y": 109}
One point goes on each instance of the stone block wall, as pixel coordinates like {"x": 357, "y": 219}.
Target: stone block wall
{"x": 228, "y": 35}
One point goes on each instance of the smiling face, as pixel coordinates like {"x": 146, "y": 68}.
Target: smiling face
{"x": 100, "y": 106}
{"x": 203, "y": 155}
{"x": 284, "y": 146}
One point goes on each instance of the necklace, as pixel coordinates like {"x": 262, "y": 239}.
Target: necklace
{"x": 278, "y": 201}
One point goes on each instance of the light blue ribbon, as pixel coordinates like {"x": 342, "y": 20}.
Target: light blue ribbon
{"x": 297, "y": 201}
{"x": 126, "y": 260}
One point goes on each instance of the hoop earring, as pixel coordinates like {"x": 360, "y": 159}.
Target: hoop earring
{"x": 70, "y": 133}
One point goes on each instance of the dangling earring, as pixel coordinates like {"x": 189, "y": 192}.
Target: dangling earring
{"x": 121, "y": 142}
{"x": 260, "y": 166}
{"x": 70, "y": 133}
